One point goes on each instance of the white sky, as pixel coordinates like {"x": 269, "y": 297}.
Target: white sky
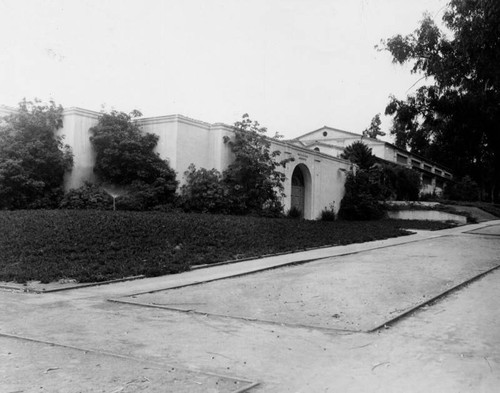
{"x": 293, "y": 65}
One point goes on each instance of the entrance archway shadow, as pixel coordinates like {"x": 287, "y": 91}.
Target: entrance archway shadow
{"x": 301, "y": 196}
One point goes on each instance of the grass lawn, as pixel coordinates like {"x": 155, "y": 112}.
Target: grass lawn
{"x": 88, "y": 246}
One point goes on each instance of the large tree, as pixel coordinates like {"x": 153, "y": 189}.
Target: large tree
{"x": 33, "y": 159}
{"x": 374, "y": 130}
{"x": 455, "y": 119}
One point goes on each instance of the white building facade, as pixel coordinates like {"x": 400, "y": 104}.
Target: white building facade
{"x": 315, "y": 176}
{"x": 332, "y": 141}
{"x": 314, "y": 180}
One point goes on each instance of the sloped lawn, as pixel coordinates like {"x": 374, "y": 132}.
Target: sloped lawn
{"x": 49, "y": 245}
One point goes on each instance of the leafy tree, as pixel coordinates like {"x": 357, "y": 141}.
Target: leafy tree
{"x": 125, "y": 157}
{"x": 33, "y": 159}
{"x": 360, "y": 154}
{"x": 254, "y": 182}
{"x": 455, "y": 118}
{"x": 374, "y": 130}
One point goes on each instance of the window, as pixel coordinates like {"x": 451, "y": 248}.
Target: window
{"x": 316, "y": 148}
{"x": 427, "y": 167}
{"x": 325, "y": 133}
{"x": 401, "y": 159}
{"x": 415, "y": 163}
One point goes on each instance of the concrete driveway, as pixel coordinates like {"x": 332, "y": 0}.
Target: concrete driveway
{"x": 369, "y": 317}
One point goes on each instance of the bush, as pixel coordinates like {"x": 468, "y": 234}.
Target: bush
{"x": 143, "y": 196}
{"x": 204, "y": 191}
{"x": 465, "y": 189}
{"x": 294, "y": 212}
{"x": 399, "y": 183}
{"x": 360, "y": 201}
{"x": 88, "y": 196}
{"x": 328, "y": 213}
{"x": 125, "y": 157}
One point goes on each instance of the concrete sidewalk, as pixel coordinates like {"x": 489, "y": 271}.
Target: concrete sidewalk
{"x": 78, "y": 341}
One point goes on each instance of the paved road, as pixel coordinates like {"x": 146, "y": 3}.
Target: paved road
{"x": 78, "y": 341}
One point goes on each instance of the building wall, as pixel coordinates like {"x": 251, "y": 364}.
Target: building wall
{"x": 76, "y": 125}
{"x": 184, "y": 141}
{"x": 327, "y": 178}
{"x": 434, "y": 177}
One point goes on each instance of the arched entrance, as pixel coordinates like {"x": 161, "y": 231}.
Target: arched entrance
{"x": 301, "y": 184}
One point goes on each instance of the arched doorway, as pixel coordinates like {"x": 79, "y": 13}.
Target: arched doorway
{"x": 301, "y": 185}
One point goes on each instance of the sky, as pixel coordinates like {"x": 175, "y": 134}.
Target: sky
{"x": 292, "y": 65}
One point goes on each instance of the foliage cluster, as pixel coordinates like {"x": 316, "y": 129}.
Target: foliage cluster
{"x": 204, "y": 191}
{"x": 373, "y": 182}
{"x": 253, "y": 180}
{"x": 465, "y": 189}
{"x": 454, "y": 119}
{"x": 328, "y": 213}
{"x": 374, "y": 130}
{"x": 125, "y": 157}
{"x": 251, "y": 184}
{"x": 33, "y": 158}
{"x": 361, "y": 198}
{"x": 88, "y": 196}
{"x": 360, "y": 154}
{"x": 399, "y": 183}
{"x": 90, "y": 245}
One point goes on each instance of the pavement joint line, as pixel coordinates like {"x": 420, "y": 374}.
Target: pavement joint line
{"x": 138, "y": 360}
{"x": 432, "y": 300}
{"x": 481, "y": 234}
{"x": 249, "y": 319}
{"x": 472, "y": 231}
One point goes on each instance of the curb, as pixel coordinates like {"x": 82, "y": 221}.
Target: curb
{"x": 432, "y": 300}
{"x": 27, "y": 289}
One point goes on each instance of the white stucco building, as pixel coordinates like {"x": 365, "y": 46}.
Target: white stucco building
{"x": 332, "y": 141}
{"x": 314, "y": 179}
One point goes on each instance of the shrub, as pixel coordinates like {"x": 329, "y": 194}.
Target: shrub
{"x": 144, "y": 196}
{"x": 360, "y": 201}
{"x": 125, "y": 157}
{"x": 204, "y": 191}
{"x": 88, "y": 196}
{"x": 399, "y": 183}
{"x": 328, "y": 213}
{"x": 294, "y": 212}
{"x": 465, "y": 189}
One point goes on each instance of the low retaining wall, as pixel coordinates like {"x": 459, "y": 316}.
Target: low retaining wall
{"x": 431, "y": 215}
